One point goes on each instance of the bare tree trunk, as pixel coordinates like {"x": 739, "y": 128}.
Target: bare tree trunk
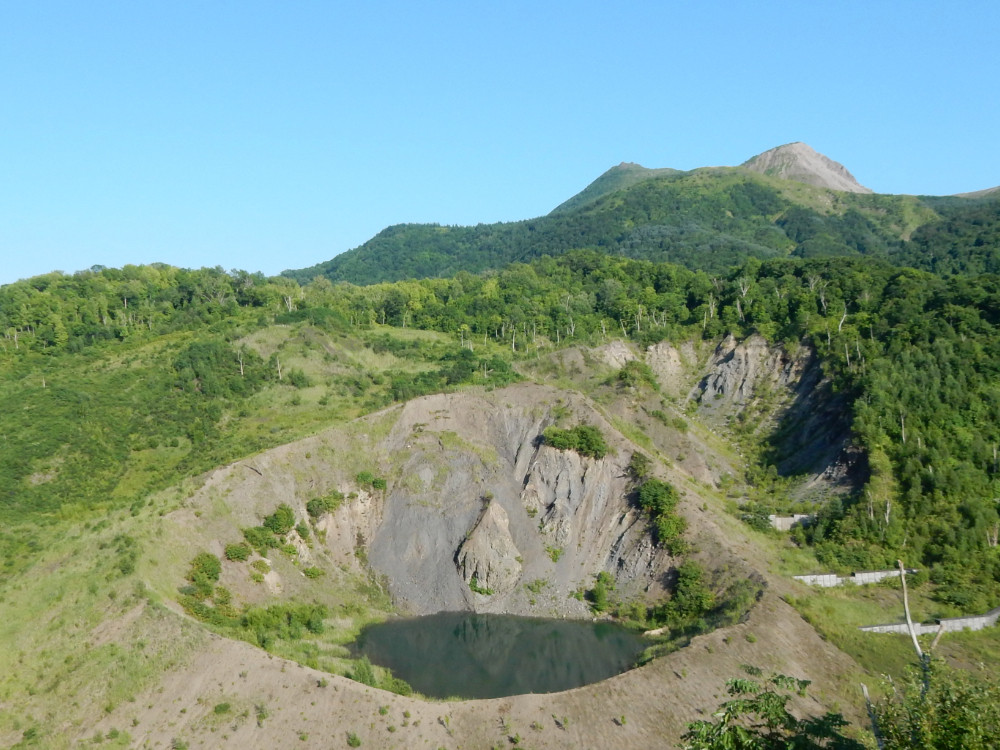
{"x": 906, "y": 611}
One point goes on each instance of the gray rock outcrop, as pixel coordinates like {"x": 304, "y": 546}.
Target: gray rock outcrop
{"x": 489, "y": 555}
{"x": 798, "y": 162}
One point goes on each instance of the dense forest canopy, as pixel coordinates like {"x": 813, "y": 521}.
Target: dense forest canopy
{"x": 918, "y": 353}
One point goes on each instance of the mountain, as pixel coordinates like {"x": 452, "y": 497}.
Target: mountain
{"x": 789, "y": 201}
{"x": 617, "y": 178}
{"x": 797, "y": 161}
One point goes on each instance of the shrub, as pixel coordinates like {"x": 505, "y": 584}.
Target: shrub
{"x": 299, "y": 379}
{"x": 238, "y": 552}
{"x": 363, "y": 672}
{"x": 599, "y": 594}
{"x": 478, "y": 588}
{"x": 281, "y": 521}
{"x": 367, "y": 478}
{"x": 204, "y": 572}
{"x": 659, "y": 499}
{"x": 320, "y": 505}
{"x": 585, "y": 439}
{"x": 353, "y": 740}
{"x": 260, "y": 539}
{"x": 639, "y": 466}
{"x": 635, "y": 374}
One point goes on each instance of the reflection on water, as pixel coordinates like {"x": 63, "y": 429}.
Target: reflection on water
{"x": 488, "y": 656}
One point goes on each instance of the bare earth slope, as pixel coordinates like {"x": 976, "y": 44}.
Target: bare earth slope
{"x": 471, "y": 490}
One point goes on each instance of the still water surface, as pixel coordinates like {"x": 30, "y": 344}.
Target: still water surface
{"x": 488, "y": 656}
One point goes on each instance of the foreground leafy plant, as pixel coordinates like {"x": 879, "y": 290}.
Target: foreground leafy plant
{"x": 757, "y": 718}
{"x": 942, "y": 709}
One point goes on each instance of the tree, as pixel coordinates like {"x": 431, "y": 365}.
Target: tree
{"x": 944, "y": 710}
{"x": 757, "y": 718}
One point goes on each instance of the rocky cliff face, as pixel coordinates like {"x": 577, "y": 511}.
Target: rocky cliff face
{"x": 489, "y": 558}
{"x": 798, "y": 162}
{"x": 476, "y": 496}
{"x": 742, "y": 373}
{"x": 784, "y": 397}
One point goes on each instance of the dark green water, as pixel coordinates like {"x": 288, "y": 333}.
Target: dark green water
{"x": 488, "y": 656}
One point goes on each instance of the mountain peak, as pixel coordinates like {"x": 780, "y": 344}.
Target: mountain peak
{"x": 798, "y": 161}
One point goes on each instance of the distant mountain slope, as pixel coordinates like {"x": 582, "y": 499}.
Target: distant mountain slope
{"x": 964, "y": 240}
{"x": 797, "y": 161}
{"x": 617, "y": 178}
{"x": 787, "y": 201}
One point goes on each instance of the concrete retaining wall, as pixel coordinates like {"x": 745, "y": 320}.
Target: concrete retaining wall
{"x": 859, "y": 578}
{"x": 948, "y": 624}
{"x": 785, "y": 523}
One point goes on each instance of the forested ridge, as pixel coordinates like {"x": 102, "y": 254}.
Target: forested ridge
{"x": 709, "y": 219}
{"x": 103, "y": 367}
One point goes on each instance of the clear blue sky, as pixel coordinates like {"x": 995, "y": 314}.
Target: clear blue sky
{"x": 273, "y": 135}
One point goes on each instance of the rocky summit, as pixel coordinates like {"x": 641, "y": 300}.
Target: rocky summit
{"x": 799, "y": 162}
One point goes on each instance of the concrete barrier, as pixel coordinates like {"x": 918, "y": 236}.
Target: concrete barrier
{"x": 859, "y": 578}
{"x": 948, "y": 624}
{"x": 786, "y": 523}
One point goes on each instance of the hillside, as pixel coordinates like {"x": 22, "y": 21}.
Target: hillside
{"x": 789, "y": 201}
{"x": 265, "y": 468}
{"x": 617, "y": 178}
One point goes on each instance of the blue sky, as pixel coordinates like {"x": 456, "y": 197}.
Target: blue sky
{"x": 267, "y": 135}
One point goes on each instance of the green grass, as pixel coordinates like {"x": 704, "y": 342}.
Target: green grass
{"x": 79, "y": 638}
{"x": 837, "y": 613}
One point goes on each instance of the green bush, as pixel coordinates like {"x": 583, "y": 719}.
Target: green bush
{"x": 585, "y": 439}
{"x": 281, "y": 521}
{"x": 204, "y": 572}
{"x": 604, "y": 584}
{"x": 635, "y": 374}
{"x": 238, "y": 552}
{"x": 659, "y": 499}
{"x": 320, "y": 505}
{"x": 363, "y": 672}
{"x": 260, "y": 539}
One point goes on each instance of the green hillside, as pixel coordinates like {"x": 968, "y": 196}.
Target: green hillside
{"x": 709, "y": 219}
{"x": 617, "y": 178}
{"x": 105, "y": 403}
